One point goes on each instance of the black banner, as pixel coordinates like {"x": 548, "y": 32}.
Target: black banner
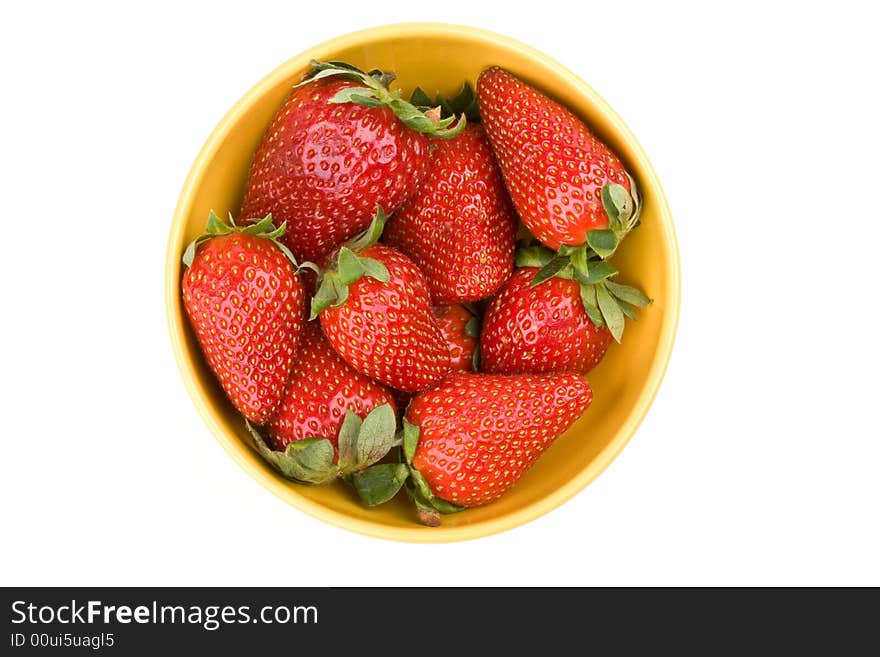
{"x": 134, "y": 621}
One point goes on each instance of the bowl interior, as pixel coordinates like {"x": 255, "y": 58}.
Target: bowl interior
{"x": 438, "y": 58}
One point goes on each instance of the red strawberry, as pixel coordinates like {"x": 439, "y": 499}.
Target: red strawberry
{"x": 375, "y": 311}
{"x": 321, "y": 389}
{"x": 568, "y": 187}
{"x": 245, "y": 303}
{"x": 340, "y": 145}
{"x": 540, "y": 329}
{"x": 478, "y": 434}
{"x": 460, "y": 329}
{"x": 459, "y": 228}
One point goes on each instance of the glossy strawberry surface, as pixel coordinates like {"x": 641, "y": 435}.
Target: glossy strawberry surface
{"x": 321, "y": 389}
{"x": 246, "y": 306}
{"x": 478, "y": 433}
{"x": 539, "y": 329}
{"x": 458, "y": 327}
{"x": 459, "y": 228}
{"x": 553, "y": 165}
{"x": 324, "y": 167}
{"x": 386, "y": 330}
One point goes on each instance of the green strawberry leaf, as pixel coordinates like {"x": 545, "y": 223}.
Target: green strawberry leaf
{"x": 591, "y": 305}
{"x": 420, "y": 99}
{"x": 216, "y": 226}
{"x": 627, "y": 310}
{"x": 259, "y": 226}
{"x": 618, "y": 205}
{"x": 551, "y": 269}
{"x": 603, "y": 242}
{"x": 628, "y": 294}
{"x": 375, "y": 93}
{"x": 421, "y": 484}
{"x": 347, "y": 441}
{"x": 533, "y": 256}
{"x": 364, "y": 442}
{"x": 384, "y": 78}
{"x": 475, "y": 361}
{"x": 324, "y": 297}
{"x": 580, "y": 263}
{"x": 416, "y": 119}
{"x": 375, "y": 269}
{"x": 376, "y": 436}
{"x": 466, "y": 103}
{"x": 359, "y": 95}
{"x": 427, "y": 495}
{"x": 350, "y": 266}
{"x": 375, "y": 81}
{"x": 445, "y": 507}
{"x": 315, "y": 455}
{"x": 637, "y": 202}
{"x": 599, "y": 271}
{"x": 308, "y": 265}
{"x": 379, "y": 483}
{"x": 440, "y": 131}
{"x": 410, "y": 440}
{"x": 427, "y": 514}
{"x": 308, "y": 461}
{"x": 320, "y": 70}
{"x": 419, "y": 121}
{"x": 372, "y": 234}
{"x": 190, "y": 253}
{"x": 289, "y": 254}
{"x": 340, "y": 291}
{"x": 611, "y": 312}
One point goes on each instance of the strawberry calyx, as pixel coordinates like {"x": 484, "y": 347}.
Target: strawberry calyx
{"x": 606, "y": 303}
{"x": 263, "y": 228}
{"x": 623, "y": 209}
{"x": 382, "y": 482}
{"x": 361, "y": 443}
{"x": 373, "y": 91}
{"x": 347, "y": 266}
{"x": 463, "y": 103}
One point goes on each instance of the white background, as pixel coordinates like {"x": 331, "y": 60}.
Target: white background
{"x": 757, "y": 464}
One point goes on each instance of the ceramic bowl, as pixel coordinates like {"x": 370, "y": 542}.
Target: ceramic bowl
{"x": 438, "y": 58}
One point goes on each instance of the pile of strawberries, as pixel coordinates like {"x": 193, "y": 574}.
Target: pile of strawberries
{"x": 414, "y": 289}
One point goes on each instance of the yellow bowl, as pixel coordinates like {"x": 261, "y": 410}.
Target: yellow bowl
{"x": 438, "y": 58}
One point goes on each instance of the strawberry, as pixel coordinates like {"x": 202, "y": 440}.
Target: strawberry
{"x": 469, "y": 439}
{"x": 540, "y": 329}
{"x": 340, "y": 144}
{"x": 460, "y": 329}
{"x": 538, "y": 321}
{"x": 375, "y": 310}
{"x": 321, "y": 389}
{"x": 568, "y": 187}
{"x": 317, "y": 460}
{"x": 459, "y": 228}
{"x": 245, "y": 303}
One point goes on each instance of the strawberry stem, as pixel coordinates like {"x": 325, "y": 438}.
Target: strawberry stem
{"x": 605, "y": 302}
{"x": 347, "y": 266}
{"x": 374, "y": 92}
{"x": 263, "y": 228}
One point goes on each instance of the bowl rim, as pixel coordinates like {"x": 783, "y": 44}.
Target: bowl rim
{"x": 418, "y": 534}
